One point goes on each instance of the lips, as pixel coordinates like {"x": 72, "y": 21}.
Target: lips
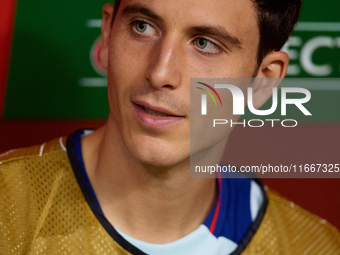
{"x": 154, "y": 116}
{"x": 154, "y": 113}
{"x": 155, "y": 110}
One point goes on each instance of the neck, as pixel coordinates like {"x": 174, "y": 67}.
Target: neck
{"x": 152, "y": 204}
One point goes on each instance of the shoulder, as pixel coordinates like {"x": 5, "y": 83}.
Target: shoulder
{"x": 288, "y": 229}
{"x": 41, "y": 201}
{"x": 25, "y": 168}
{"x": 53, "y": 147}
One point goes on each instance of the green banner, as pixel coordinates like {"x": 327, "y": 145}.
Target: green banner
{"x": 55, "y": 73}
{"x": 53, "y": 55}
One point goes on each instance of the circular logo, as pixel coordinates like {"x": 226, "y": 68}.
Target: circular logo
{"x": 95, "y": 57}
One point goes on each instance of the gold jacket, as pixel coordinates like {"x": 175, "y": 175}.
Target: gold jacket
{"x": 43, "y": 211}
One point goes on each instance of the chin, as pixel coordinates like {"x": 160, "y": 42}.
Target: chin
{"x": 159, "y": 154}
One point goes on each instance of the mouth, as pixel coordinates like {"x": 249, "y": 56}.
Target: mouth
{"x": 154, "y": 116}
{"x": 156, "y": 113}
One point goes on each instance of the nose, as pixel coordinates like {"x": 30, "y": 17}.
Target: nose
{"x": 164, "y": 69}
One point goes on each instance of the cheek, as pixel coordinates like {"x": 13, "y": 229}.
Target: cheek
{"x": 214, "y": 127}
{"x": 125, "y": 67}
{"x": 123, "y": 59}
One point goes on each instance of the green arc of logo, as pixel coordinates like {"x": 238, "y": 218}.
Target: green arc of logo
{"x": 206, "y": 91}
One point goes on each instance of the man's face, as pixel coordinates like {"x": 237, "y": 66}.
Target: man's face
{"x": 155, "y": 47}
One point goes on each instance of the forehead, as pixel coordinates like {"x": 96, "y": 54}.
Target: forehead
{"x": 238, "y": 17}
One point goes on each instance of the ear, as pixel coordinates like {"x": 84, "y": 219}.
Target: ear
{"x": 272, "y": 70}
{"x": 106, "y": 29}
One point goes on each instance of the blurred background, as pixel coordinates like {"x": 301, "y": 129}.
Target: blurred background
{"x": 51, "y": 83}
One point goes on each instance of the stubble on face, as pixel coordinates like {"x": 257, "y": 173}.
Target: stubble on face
{"x": 138, "y": 66}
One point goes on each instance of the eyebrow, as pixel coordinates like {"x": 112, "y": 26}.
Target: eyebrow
{"x": 140, "y": 9}
{"x": 218, "y": 32}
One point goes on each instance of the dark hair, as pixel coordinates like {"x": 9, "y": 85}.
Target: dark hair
{"x": 276, "y": 20}
{"x": 117, "y": 4}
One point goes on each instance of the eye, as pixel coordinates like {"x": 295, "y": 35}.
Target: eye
{"x": 207, "y": 46}
{"x": 143, "y": 27}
